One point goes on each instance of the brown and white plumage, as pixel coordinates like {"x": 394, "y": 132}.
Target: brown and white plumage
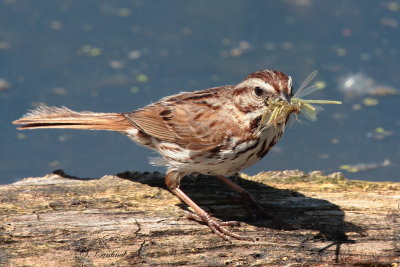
{"x": 214, "y": 131}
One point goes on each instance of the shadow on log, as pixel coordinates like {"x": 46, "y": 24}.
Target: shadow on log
{"x": 131, "y": 219}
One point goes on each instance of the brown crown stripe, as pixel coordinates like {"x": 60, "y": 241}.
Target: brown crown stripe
{"x": 273, "y": 77}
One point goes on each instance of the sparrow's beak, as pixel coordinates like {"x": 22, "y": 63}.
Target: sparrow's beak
{"x": 285, "y": 96}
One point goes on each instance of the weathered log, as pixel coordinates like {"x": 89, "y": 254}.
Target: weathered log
{"x": 132, "y": 219}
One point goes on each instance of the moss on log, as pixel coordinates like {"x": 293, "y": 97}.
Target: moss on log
{"x": 132, "y": 219}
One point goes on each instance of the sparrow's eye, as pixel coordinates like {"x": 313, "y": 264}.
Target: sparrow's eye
{"x": 258, "y": 91}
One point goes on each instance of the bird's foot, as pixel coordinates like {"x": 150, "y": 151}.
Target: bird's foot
{"x": 217, "y": 226}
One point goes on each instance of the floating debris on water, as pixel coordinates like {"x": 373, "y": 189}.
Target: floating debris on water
{"x": 392, "y": 6}
{"x": 53, "y": 163}
{"x": 379, "y": 133}
{"x": 324, "y": 156}
{"x": 90, "y": 51}
{"x": 142, "y": 78}
{"x": 369, "y": 101}
{"x": 389, "y": 22}
{"x": 124, "y": 12}
{"x": 55, "y": 25}
{"x": 360, "y": 84}
{"x": 116, "y": 64}
{"x": 356, "y": 107}
{"x": 364, "y": 166}
{"x": 21, "y": 136}
{"x": 134, "y": 89}
{"x": 341, "y": 52}
{"x": 383, "y": 90}
{"x": 335, "y": 141}
{"x": 320, "y": 84}
{"x": 238, "y": 50}
{"x": 134, "y": 54}
{"x": 63, "y": 138}
{"x": 58, "y": 91}
{"x": 4, "y": 85}
{"x": 4, "y": 45}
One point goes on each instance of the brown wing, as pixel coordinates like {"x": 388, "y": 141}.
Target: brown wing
{"x": 189, "y": 120}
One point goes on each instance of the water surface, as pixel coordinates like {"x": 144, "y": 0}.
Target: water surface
{"x": 117, "y": 56}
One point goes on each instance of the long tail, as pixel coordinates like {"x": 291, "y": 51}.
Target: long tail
{"x": 54, "y": 117}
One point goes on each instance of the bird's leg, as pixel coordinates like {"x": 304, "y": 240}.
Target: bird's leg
{"x": 244, "y": 194}
{"x": 172, "y": 180}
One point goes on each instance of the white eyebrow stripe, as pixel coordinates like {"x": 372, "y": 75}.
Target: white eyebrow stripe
{"x": 254, "y": 82}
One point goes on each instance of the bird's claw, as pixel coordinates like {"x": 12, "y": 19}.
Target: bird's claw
{"x": 217, "y": 226}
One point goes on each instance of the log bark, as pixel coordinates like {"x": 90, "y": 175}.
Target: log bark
{"x": 132, "y": 219}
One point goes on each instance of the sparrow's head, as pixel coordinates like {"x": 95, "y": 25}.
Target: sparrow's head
{"x": 254, "y": 92}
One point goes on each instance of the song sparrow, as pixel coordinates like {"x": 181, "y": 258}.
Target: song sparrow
{"x": 215, "y": 131}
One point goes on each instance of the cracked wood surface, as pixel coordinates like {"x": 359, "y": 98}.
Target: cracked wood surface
{"x": 131, "y": 219}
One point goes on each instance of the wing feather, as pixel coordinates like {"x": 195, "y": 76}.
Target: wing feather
{"x": 186, "y": 123}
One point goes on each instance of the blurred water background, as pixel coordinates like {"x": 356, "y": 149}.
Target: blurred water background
{"x": 117, "y": 56}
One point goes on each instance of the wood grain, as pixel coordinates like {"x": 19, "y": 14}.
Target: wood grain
{"x": 131, "y": 219}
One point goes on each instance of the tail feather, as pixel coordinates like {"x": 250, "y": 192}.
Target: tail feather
{"x": 62, "y": 117}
